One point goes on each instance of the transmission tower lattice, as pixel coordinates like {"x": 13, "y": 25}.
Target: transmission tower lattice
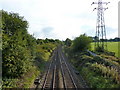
{"x": 100, "y": 38}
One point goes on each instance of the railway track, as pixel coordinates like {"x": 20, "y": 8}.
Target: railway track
{"x": 58, "y": 73}
{"x": 49, "y": 80}
{"x": 67, "y": 76}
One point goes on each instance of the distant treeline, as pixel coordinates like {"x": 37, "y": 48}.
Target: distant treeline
{"x": 116, "y": 39}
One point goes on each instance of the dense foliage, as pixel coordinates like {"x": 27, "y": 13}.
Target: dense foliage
{"x": 81, "y": 43}
{"x": 21, "y": 51}
{"x": 18, "y": 46}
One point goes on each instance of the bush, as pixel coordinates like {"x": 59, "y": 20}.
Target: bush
{"x": 81, "y": 43}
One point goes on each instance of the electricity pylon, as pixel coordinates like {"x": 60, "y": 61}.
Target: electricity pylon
{"x": 100, "y": 38}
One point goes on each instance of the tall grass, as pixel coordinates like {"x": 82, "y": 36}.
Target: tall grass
{"x": 107, "y": 71}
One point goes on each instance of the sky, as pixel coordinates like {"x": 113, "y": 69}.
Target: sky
{"x": 61, "y": 19}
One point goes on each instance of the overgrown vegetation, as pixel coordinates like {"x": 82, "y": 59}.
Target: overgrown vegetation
{"x": 23, "y": 56}
{"x": 101, "y": 71}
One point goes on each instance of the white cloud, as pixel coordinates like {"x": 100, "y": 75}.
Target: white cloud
{"x": 69, "y": 18}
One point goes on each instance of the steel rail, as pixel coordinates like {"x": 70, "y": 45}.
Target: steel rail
{"x": 46, "y": 76}
{"x": 54, "y": 76}
{"x": 64, "y": 82}
{"x": 69, "y": 72}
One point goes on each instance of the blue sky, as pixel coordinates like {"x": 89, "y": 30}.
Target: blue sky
{"x": 63, "y": 18}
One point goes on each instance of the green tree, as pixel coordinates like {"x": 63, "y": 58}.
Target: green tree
{"x": 68, "y": 42}
{"x": 18, "y": 47}
{"x": 81, "y": 43}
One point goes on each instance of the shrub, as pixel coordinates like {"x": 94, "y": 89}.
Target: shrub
{"x": 81, "y": 43}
